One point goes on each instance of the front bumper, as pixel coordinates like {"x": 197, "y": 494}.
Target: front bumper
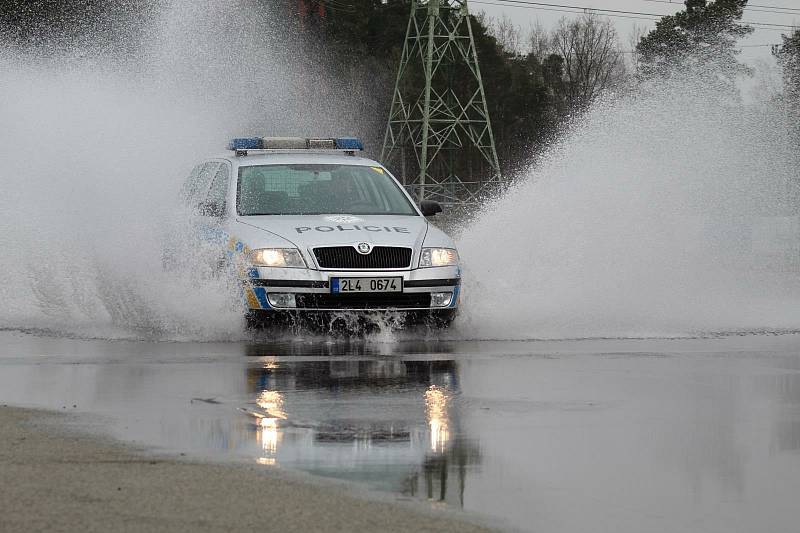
{"x": 311, "y": 290}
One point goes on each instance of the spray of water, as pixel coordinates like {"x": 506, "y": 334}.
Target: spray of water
{"x": 669, "y": 212}
{"x": 95, "y": 144}
{"x": 672, "y": 211}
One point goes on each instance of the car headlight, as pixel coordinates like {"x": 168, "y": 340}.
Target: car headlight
{"x": 438, "y": 257}
{"x": 277, "y": 257}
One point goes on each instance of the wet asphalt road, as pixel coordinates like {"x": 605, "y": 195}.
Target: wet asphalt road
{"x": 594, "y": 435}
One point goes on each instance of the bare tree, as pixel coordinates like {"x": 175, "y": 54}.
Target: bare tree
{"x": 538, "y": 41}
{"x": 508, "y": 34}
{"x": 593, "y": 61}
{"x": 634, "y": 38}
{"x": 482, "y": 18}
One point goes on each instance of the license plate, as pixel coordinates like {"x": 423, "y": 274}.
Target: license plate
{"x": 348, "y": 285}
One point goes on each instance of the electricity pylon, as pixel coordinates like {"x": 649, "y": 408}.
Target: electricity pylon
{"x": 446, "y": 126}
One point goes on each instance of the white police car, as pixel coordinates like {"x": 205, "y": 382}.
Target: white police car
{"x": 313, "y": 229}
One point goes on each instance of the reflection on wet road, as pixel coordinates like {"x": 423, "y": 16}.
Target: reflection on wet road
{"x": 384, "y": 422}
{"x": 682, "y": 435}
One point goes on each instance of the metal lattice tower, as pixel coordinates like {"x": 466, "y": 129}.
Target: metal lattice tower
{"x": 446, "y": 126}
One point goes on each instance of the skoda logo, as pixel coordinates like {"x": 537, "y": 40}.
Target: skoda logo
{"x": 364, "y": 248}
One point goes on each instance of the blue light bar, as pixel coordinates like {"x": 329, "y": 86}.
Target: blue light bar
{"x": 246, "y": 143}
{"x": 349, "y": 143}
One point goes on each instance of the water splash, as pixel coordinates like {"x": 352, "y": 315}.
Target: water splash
{"x": 672, "y": 211}
{"x": 669, "y": 212}
{"x": 96, "y": 142}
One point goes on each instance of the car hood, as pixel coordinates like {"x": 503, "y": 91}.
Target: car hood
{"x": 330, "y": 230}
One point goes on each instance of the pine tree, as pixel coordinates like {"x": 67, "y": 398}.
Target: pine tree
{"x": 702, "y": 38}
{"x": 788, "y": 56}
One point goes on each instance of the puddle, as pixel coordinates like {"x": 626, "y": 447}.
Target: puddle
{"x": 547, "y": 437}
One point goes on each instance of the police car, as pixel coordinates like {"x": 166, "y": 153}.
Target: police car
{"x": 311, "y": 228}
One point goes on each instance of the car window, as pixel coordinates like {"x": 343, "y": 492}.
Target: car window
{"x": 219, "y": 186}
{"x": 196, "y": 185}
{"x": 319, "y": 189}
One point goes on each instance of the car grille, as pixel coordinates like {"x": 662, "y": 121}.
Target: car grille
{"x": 348, "y": 257}
{"x": 409, "y": 300}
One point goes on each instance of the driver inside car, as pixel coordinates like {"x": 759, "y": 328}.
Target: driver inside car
{"x": 344, "y": 191}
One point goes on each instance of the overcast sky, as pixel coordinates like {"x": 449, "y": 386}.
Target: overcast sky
{"x": 754, "y": 48}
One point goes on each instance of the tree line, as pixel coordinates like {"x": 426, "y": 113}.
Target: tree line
{"x": 530, "y": 90}
{"x": 536, "y": 82}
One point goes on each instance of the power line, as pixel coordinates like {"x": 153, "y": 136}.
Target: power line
{"x": 527, "y": 4}
{"x": 782, "y": 10}
{"x": 620, "y": 11}
{"x": 787, "y": 26}
{"x": 583, "y": 8}
{"x": 579, "y": 10}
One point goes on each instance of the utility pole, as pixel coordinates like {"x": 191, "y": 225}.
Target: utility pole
{"x": 445, "y": 125}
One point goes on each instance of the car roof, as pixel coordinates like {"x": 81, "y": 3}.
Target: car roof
{"x": 297, "y": 157}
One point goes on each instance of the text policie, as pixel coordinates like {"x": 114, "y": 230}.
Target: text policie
{"x": 327, "y": 229}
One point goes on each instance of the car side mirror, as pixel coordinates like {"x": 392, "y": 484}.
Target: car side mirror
{"x": 430, "y": 208}
{"x": 211, "y": 209}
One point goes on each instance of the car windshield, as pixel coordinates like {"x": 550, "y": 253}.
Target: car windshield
{"x": 319, "y": 189}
